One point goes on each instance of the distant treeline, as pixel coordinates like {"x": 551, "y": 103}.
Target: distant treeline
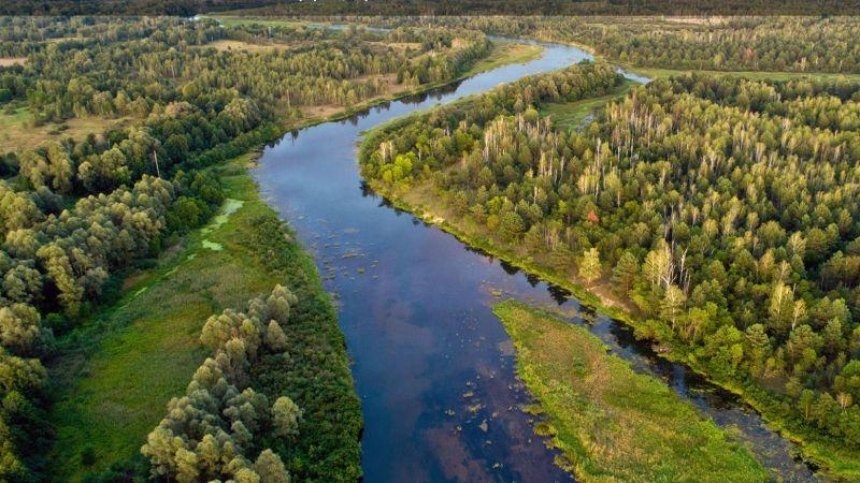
{"x": 431, "y": 7}
{"x": 799, "y": 44}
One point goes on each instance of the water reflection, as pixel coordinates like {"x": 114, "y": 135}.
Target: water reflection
{"x": 560, "y": 294}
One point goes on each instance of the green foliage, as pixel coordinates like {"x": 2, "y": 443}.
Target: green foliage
{"x": 612, "y": 423}
{"x": 810, "y": 44}
{"x": 78, "y": 211}
{"x": 721, "y": 203}
{"x": 211, "y": 432}
{"x": 589, "y": 266}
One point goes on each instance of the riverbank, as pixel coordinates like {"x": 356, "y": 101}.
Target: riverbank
{"x": 611, "y": 423}
{"x": 141, "y": 352}
{"x": 661, "y": 73}
{"x": 502, "y": 53}
{"x": 424, "y": 202}
{"x": 118, "y": 373}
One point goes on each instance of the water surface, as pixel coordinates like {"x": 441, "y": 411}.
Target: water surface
{"x": 432, "y": 364}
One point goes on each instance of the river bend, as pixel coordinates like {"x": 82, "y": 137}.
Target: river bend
{"x": 432, "y": 364}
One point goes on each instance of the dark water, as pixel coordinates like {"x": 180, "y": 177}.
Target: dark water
{"x": 432, "y": 364}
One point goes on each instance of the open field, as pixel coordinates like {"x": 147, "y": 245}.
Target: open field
{"x": 571, "y": 115}
{"x": 611, "y": 423}
{"x": 246, "y": 46}
{"x": 506, "y": 53}
{"x": 655, "y": 73}
{"x": 18, "y": 131}
{"x": 8, "y": 61}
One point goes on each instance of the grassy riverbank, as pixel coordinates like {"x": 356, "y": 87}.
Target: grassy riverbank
{"x": 434, "y": 206}
{"x": 118, "y": 372}
{"x": 611, "y": 423}
{"x": 136, "y": 355}
{"x": 834, "y": 462}
{"x": 505, "y": 53}
{"x": 658, "y": 73}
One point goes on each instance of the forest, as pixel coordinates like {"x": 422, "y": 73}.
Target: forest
{"x": 80, "y": 211}
{"x": 718, "y": 209}
{"x": 767, "y": 43}
{"x": 422, "y": 7}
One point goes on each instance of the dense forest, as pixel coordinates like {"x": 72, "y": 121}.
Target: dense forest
{"x": 234, "y": 412}
{"x": 723, "y": 209}
{"x": 426, "y": 7}
{"x": 78, "y": 213}
{"x": 790, "y": 44}
{"x": 150, "y": 68}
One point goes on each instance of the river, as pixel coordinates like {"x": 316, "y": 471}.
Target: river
{"x": 432, "y": 365}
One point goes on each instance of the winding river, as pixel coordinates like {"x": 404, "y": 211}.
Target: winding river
{"x": 432, "y": 364}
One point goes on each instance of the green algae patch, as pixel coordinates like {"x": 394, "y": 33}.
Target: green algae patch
{"x": 229, "y": 207}
{"x": 212, "y": 245}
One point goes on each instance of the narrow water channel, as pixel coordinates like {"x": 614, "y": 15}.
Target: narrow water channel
{"x": 432, "y": 364}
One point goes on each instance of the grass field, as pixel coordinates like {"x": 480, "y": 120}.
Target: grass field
{"x": 134, "y": 357}
{"x": 18, "y": 131}
{"x": 656, "y": 73}
{"x": 506, "y": 53}
{"x": 224, "y": 45}
{"x": 570, "y": 115}
{"x": 232, "y": 21}
{"x": 8, "y": 61}
{"x": 611, "y": 423}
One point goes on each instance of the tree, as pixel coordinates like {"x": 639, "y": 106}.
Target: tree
{"x": 286, "y": 416}
{"x": 20, "y": 329}
{"x": 589, "y": 266}
{"x": 275, "y": 337}
{"x": 625, "y": 272}
{"x": 672, "y": 305}
{"x": 781, "y": 308}
{"x": 512, "y": 225}
{"x": 848, "y": 380}
{"x": 270, "y": 468}
{"x": 758, "y": 348}
{"x": 844, "y": 400}
{"x": 657, "y": 268}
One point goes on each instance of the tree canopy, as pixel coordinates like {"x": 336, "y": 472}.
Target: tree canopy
{"x": 724, "y": 207}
